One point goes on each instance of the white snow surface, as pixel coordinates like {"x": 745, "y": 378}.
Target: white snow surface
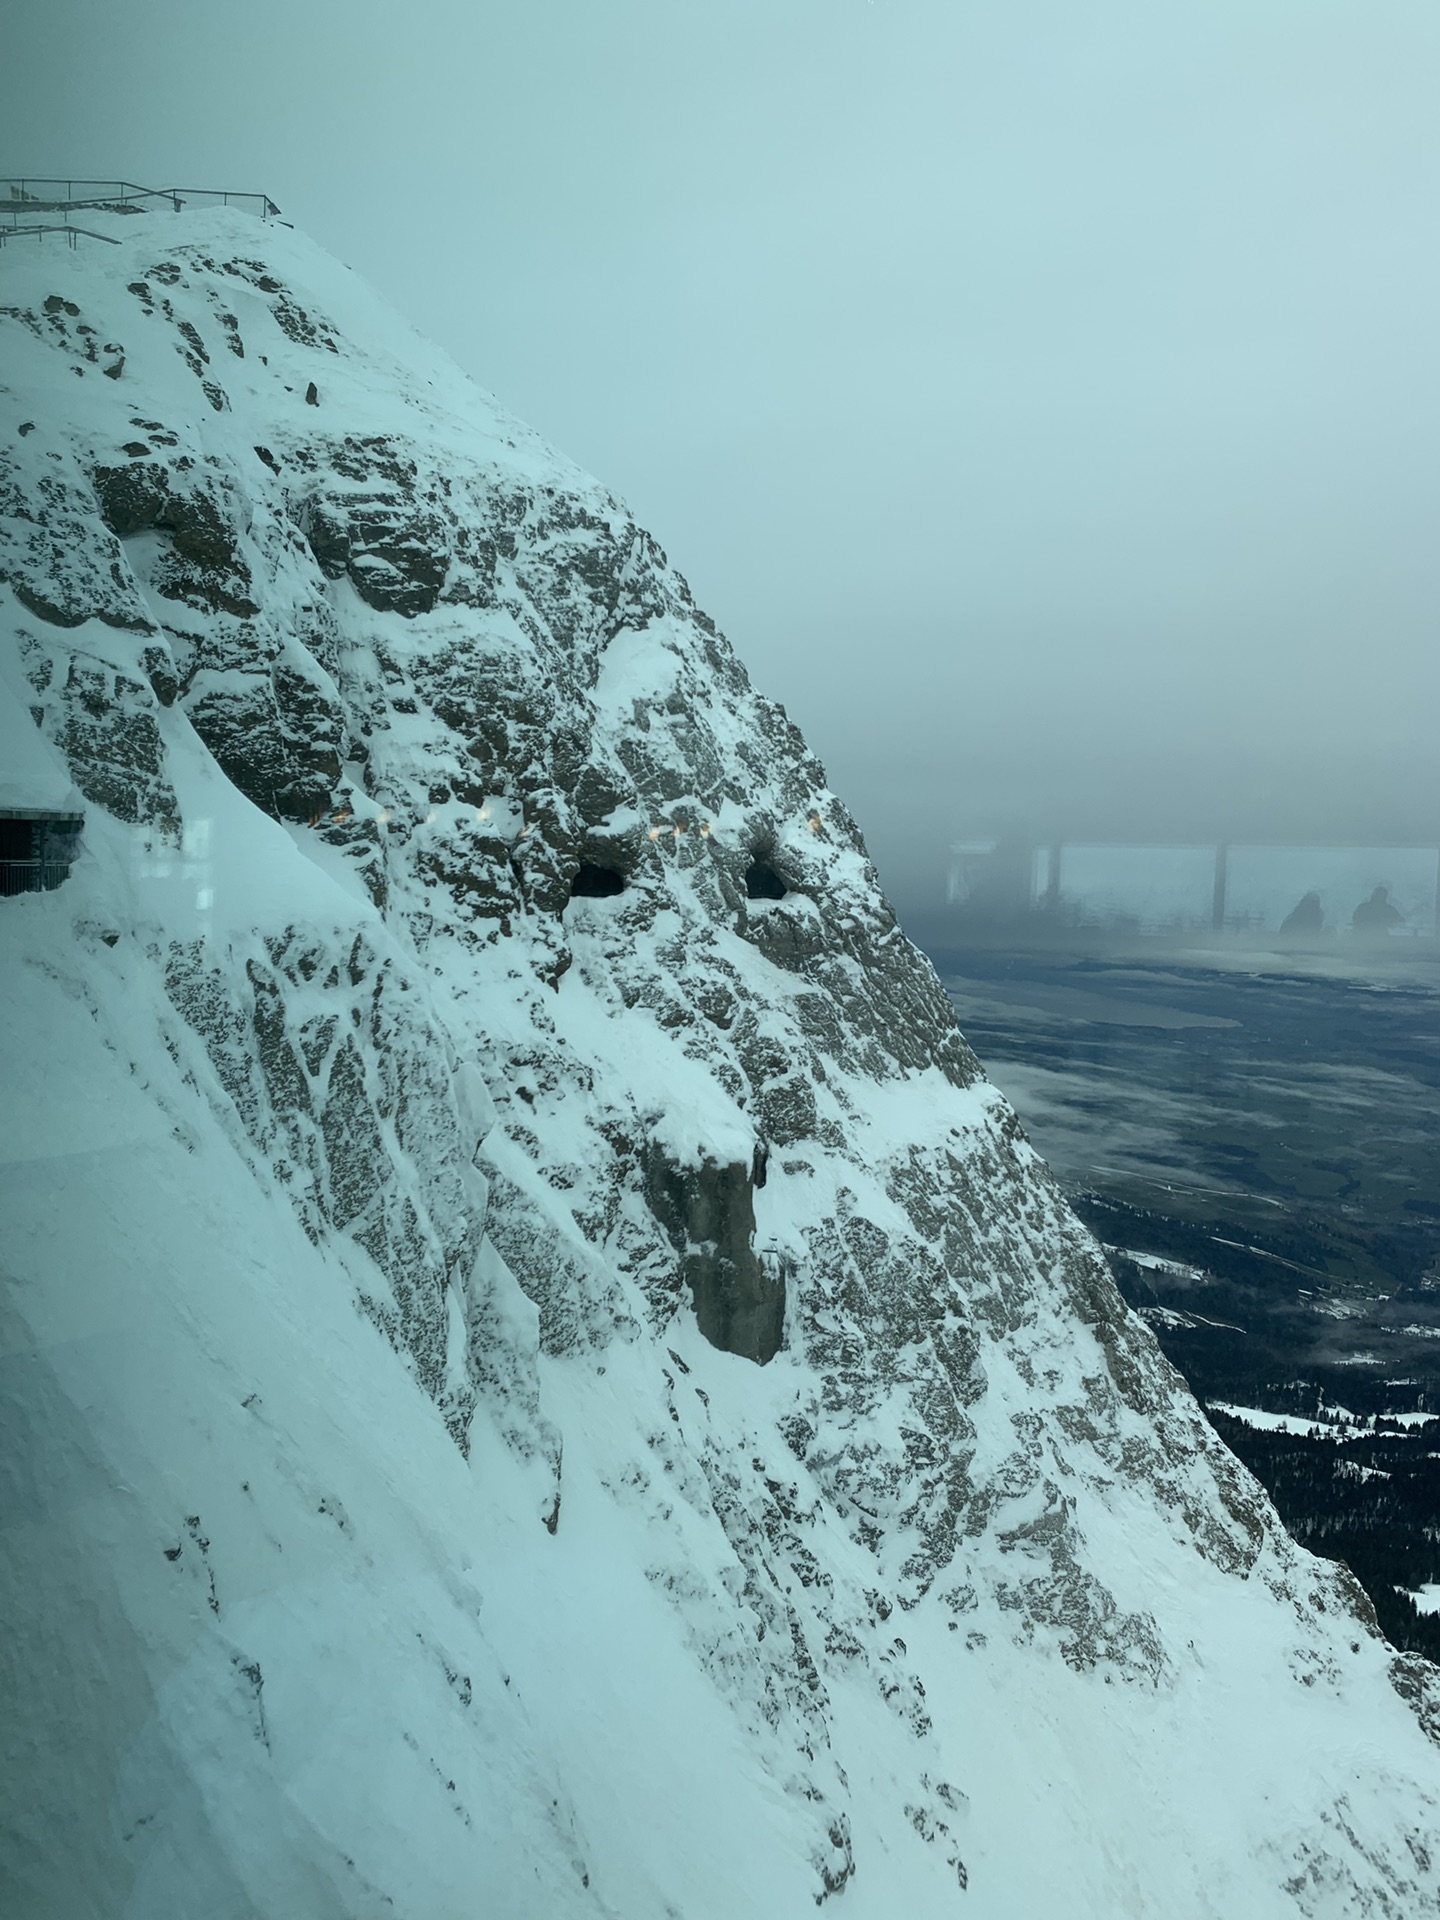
{"x": 1317, "y": 1427}
{"x": 381, "y": 1534}
{"x": 1329, "y": 1422}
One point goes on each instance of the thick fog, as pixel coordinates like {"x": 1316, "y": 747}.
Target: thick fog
{"x": 1043, "y": 395}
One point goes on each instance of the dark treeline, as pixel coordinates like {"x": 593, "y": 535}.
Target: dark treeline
{"x": 1372, "y": 1502}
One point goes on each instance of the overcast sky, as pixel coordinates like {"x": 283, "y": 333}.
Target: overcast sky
{"x": 1042, "y": 394}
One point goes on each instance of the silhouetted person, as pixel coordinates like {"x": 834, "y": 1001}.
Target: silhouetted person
{"x": 1376, "y": 915}
{"x": 1308, "y": 916}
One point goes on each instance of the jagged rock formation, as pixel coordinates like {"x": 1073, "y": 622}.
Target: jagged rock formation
{"x": 742, "y": 1485}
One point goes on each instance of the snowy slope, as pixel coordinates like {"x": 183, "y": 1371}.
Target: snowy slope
{"x": 399, "y": 1516}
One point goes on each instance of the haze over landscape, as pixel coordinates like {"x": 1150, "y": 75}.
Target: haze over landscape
{"x": 1042, "y": 398}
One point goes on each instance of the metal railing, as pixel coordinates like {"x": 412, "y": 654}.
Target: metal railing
{"x": 31, "y": 195}
{"x": 71, "y": 233}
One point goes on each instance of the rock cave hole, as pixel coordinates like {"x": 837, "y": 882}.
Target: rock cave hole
{"x": 762, "y": 882}
{"x": 594, "y": 882}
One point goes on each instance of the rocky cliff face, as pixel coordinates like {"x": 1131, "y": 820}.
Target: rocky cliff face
{"x": 755, "y": 1491}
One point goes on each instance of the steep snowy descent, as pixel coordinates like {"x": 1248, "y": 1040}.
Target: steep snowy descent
{"x": 543, "y": 1379}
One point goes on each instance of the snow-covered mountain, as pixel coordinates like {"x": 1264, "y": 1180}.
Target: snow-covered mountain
{"x": 540, "y": 1380}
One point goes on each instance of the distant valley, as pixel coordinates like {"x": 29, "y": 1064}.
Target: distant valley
{"x": 1255, "y": 1140}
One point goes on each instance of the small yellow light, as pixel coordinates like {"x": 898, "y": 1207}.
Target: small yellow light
{"x": 705, "y": 830}
{"x": 814, "y": 823}
{"x": 654, "y": 833}
{"x": 677, "y": 831}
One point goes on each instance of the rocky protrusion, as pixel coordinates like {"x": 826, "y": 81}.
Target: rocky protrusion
{"x": 202, "y": 564}
{"x": 278, "y": 735}
{"x": 708, "y": 1211}
{"x": 371, "y": 519}
{"x": 105, "y": 723}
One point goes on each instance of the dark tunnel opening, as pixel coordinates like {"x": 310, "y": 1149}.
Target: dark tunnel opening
{"x": 762, "y": 882}
{"x": 596, "y": 883}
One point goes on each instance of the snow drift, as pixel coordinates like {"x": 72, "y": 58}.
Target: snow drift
{"x": 540, "y": 1380}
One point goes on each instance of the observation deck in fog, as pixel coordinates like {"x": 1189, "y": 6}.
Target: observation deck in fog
{"x": 38, "y": 208}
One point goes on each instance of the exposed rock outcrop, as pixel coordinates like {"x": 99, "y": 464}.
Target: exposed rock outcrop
{"x": 709, "y": 1213}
